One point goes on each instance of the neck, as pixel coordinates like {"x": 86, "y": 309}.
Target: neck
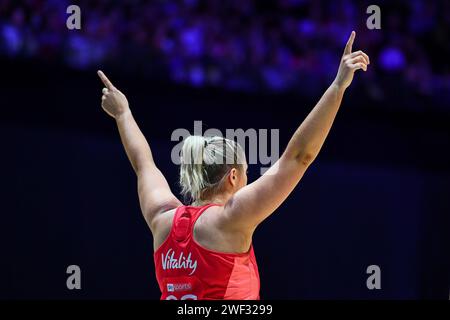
{"x": 218, "y": 199}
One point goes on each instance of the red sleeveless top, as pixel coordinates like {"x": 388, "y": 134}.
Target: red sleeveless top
{"x": 186, "y": 270}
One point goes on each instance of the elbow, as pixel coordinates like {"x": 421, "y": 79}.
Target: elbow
{"x": 305, "y": 158}
{"x": 141, "y": 164}
{"x": 137, "y": 169}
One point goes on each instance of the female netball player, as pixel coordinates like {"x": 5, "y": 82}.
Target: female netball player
{"x": 204, "y": 250}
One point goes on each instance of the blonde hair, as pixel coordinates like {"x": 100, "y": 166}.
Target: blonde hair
{"x": 205, "y": 162}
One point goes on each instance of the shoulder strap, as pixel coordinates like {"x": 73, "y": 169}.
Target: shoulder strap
{"x": 199, "y": 212}
{"x": 184, "y": 221}
{"x": 181, "y": 223}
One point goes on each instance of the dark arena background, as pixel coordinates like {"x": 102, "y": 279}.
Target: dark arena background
{"x": 377, "y": 195}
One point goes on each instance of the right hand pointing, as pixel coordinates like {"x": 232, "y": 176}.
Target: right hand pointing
{"x": 114, "y": 102}
{"x": 350, "y": 62}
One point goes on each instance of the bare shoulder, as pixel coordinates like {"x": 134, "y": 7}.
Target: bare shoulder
{"x": 211, "y": 233}
{"x": 165, "y": 217}
{"x": 162, "y": 223}
{"x": 211, "y": 217}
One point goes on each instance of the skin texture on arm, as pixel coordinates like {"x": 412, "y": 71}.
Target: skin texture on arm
{"x": 253, "y": 203}
{"x": 155, "y": 196}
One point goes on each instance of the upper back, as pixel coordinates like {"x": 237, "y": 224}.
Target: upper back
{"x": 208, "y": 229}
{"x": 180, "y": 260}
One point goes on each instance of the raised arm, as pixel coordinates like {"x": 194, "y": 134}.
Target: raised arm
{"x": 255, "y": 202}
{"x": 155, "y": 196}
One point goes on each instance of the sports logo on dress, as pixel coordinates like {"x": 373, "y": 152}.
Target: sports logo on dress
{"x": 170, "y": 262}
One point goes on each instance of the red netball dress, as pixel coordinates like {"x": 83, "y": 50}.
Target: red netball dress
{"x": 186, "y": 270}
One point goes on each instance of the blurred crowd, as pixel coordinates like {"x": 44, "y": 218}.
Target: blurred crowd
{"x": 249, "y": 45}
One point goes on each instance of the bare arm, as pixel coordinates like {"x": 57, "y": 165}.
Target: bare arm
{"x": 155, "y": 196}
{"x": 255, "y": 202}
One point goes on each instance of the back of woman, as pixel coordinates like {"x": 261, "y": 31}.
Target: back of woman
{"x": 186, "y": 269}
{"x": 205, "y": 251}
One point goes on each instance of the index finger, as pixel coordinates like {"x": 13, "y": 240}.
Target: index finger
{"x": 105, "y": 80}
{"x": 348, "y": 46}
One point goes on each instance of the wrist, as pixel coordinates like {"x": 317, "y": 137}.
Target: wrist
{"x": 338, "y": 87}
{"x": 124, "y": 114}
